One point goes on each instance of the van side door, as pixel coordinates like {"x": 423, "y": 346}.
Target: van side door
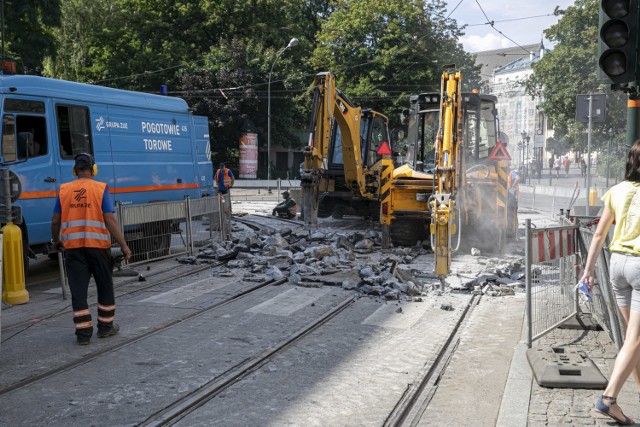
{"x": 38, "y": 175}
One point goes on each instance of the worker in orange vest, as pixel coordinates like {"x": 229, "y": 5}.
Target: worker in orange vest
{"x": 224, "y": 179}
{"x": 82, "y": 219}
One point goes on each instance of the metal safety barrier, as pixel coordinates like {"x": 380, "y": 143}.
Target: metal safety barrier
{"x": 603, "y": 307}
{"x": 163, "y": 229}
{"x": 551, "y": 276}
{"x": 554, "y": 262}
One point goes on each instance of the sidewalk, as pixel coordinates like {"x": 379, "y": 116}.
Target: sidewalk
{"x": 524, "y": 402}
{"x": 559, "y": 406}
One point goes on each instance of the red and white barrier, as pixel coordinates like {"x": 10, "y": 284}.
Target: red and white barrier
{"x": 550, "y": 245}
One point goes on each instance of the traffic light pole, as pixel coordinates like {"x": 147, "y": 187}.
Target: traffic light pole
{"x": 633, "y": 118}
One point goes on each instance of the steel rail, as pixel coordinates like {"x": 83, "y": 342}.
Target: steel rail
{"x": 189, "y": 403}
{"x": 417, "y": 396}
{"x": 26, "y": 324}
{"x": 157, "y": 329}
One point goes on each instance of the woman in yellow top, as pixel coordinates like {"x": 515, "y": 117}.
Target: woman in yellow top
{"x": 622, "y": 204}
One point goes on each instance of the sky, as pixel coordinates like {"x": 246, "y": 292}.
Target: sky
{"x": 523, "y": 23}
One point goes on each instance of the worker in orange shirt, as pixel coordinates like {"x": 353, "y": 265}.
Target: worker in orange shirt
{"x": 82, "y": 224}
{"x": 224, "y": 179}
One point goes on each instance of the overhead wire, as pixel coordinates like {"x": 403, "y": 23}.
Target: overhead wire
{"x": 454, "y": 9}
{"x": 510, "y": 20}
{"x": 492, "y": 23}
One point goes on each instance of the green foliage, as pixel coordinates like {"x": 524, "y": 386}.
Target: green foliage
{"x": 616, "y": 162}
{"x": 218, "y": 55}
{"x": 28, "y": 38}
{"x": 382, "y": 52}
{"x": 570, "y": 69}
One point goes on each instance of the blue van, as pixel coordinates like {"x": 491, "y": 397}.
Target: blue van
{"x": 147, "y": 147}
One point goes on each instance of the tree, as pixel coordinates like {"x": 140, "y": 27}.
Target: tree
{"x": 381, "y": 52}
{"x": 570, "y": 69}
{"x": 29, "y": 25}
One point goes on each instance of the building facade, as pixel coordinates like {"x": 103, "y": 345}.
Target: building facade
{"x": 523, "y": 124}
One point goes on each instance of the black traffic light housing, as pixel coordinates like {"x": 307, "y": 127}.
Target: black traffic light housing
{"x": 618, "y": 41}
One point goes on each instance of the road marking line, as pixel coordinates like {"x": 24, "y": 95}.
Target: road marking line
{"x": 289, "y": 301}
{"x": 187, "y": 291}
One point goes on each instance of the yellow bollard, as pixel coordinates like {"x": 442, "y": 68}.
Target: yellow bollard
{"x": 13, "y": 291}
{"x": 593, "y": 197}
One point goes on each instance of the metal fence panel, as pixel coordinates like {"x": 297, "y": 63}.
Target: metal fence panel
{"x": 221, "y": 224}
{"x": 555, "y": 259}
{"x": 550, "y": 278}
{"x": 203, "y": 215}
{"x": 603, "y": 307}
{"x": 152, "y": 212}
{"x": 154, "y": 230}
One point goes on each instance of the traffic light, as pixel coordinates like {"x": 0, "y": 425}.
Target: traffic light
{"x": 618, "y": 41}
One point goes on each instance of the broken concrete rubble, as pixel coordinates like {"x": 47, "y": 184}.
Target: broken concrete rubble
{"x": 355, "y": 260}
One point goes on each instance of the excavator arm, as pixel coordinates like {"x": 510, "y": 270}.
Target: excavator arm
{"x": 329, "y": 105}
{"x": 448, "y": 172}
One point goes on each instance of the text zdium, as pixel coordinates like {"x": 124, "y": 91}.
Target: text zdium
{"x": 157, "y": 144}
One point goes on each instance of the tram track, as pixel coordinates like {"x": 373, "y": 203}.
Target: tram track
{"x": 414, "y": 402}
{"x": 182, "y": 407}
{"x": 67, "y": 308}
{"x": 157, "y": 329}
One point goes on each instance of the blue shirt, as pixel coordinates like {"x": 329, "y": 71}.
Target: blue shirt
{"x": 107, "y": 203}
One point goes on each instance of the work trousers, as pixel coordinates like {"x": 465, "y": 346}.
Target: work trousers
{"x": 82, "y": 263}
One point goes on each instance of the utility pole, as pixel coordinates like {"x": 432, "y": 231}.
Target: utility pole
{"x": 609, "y": 156}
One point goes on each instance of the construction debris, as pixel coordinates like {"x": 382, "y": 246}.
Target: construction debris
{"x": 354, "y": 260}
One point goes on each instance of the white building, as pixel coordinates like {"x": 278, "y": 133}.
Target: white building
{"x": 523, "y": 124}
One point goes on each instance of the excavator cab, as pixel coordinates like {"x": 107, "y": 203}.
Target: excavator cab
{"x": 479, "y": 121}
{"x": 341, "y": 170}
{"x": 341, "y": 196}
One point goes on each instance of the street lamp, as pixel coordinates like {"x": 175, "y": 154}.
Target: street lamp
{"x": 293, "y": 42}
{"x": 525, "y": 154}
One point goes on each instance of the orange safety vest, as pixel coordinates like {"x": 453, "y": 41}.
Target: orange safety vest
{"x": 227, "y": 178}
{"x": 82, "y": 218}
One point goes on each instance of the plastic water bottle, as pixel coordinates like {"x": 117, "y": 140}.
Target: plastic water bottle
{"x": 585, "y": 292}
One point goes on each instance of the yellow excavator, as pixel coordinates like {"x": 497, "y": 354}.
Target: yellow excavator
{"x": 342, "y": 160}
{"x": 469, "y": 205}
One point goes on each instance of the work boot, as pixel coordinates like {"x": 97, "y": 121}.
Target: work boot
{"x": 104, "y": 333}
{"x": 83, "y": 340}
